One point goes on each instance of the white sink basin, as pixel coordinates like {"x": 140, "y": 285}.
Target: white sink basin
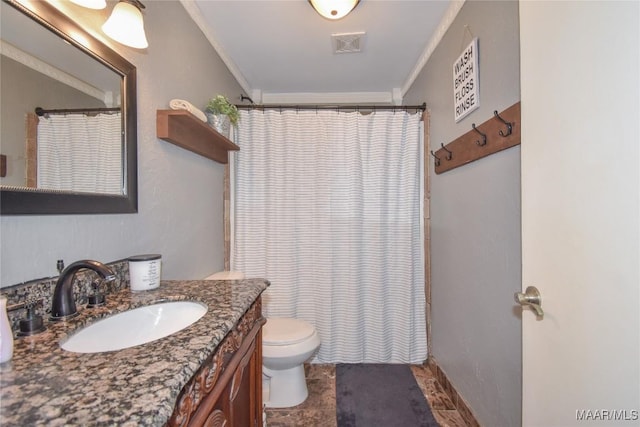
{"x": 134, "y": 327}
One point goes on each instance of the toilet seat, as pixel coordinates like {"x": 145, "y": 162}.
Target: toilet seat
{"x": 284, "y": 331}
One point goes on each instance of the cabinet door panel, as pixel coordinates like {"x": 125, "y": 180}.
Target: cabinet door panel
{"x": 242, "y": 391}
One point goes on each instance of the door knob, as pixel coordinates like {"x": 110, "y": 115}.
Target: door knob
{"x": 531, "y": 297}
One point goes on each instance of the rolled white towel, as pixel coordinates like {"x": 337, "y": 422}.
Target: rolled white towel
{"x": 181, "y": 104}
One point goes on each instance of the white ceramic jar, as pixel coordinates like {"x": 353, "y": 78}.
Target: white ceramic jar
{"x": 145, "y": 271}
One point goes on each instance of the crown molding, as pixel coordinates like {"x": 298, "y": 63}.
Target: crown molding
{"x": 439, "y": 33}
{"x": 299, "y": 98}
{"x": 42, "y": 67}
{"x": 195, "y": 14}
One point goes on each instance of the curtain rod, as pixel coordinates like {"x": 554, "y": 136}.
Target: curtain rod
{"x": 372, "y": 108}
{"x": 41, "y": 111}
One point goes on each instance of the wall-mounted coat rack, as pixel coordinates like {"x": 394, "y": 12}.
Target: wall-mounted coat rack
{"x": 500, "y": 132}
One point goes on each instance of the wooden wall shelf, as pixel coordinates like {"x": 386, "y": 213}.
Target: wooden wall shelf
{"x": 185, "y": 130}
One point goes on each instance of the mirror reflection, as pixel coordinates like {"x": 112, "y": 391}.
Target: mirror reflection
{"x": 61, "y": 113}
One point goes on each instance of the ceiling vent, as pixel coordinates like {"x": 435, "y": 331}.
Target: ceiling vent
{"x": 348, "y": 42}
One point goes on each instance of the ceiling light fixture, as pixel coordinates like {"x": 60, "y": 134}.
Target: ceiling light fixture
{"x": 125, "y": 25}
{"x": 91, "y": 4}
{"x": 334, "y": 9}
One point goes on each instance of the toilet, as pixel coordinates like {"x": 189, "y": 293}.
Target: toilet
{"x": 286, "y": 344}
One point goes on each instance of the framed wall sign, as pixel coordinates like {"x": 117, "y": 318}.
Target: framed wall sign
{"x": 466, "y": 86}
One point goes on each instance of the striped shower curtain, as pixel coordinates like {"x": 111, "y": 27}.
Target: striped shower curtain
{"x": 327, "y": 206}
{"x": 79, "y": 152}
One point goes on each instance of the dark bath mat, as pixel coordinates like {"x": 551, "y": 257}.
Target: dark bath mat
{"x": 380, "y": 395}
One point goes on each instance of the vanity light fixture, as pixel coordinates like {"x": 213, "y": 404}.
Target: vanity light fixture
{"x": 125, "y": 25}
{"x": 334, "y": 9}
{"x": 91, "y": 4}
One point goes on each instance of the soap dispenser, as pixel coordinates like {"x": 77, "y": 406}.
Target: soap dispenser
{"x": 6, "y": 334}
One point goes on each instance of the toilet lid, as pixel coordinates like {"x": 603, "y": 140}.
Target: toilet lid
{"x": 226, "y": 275}
{"x": 283, "y": 331}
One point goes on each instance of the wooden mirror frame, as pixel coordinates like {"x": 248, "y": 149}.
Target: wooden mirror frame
{"x": 18, "y": 200}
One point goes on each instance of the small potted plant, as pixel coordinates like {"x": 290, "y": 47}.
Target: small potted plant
{"x": 221, "y": 114}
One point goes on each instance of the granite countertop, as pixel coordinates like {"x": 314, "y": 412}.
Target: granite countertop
{"x": 137, "y": 386}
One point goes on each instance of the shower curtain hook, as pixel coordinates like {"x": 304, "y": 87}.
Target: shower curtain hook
{"x": 484, "y": 137}
{"x": 449, "y": 153}
{"x": 437, "y": 159}
{"x": 509, "y": 127}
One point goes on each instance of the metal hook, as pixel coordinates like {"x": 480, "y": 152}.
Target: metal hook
{"x": 437, "y": 159}
{"x": 509, "y": 127}
{"x": 245, "y": 98}
{"x": 484, "y": 137}
{"x": 449, "y": 153}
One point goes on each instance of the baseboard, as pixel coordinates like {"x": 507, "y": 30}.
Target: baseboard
{"x": 457, "y": 400}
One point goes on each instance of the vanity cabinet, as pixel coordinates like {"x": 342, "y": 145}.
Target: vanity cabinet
{"x": 227, "y": 388}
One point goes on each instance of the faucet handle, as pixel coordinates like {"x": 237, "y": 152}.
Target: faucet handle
{"x": 32, "y": 323}
{"x": 97, "y": 298}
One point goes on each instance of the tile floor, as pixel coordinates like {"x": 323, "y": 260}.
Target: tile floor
{"x": 319, "y": 410}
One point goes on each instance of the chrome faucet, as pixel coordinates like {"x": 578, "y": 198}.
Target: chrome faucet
{"x": 63, "y": 305}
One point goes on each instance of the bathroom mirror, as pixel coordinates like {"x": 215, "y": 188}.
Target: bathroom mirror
{"x": 49, "y": 61}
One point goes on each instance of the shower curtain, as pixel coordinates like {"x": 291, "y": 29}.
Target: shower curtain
{"x": 79, "y": 152}
{"x": 327, "y": 206}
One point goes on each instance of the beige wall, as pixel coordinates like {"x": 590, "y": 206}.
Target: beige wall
{"x": 475, "y": 221}
{"x": 180, "y": 193}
